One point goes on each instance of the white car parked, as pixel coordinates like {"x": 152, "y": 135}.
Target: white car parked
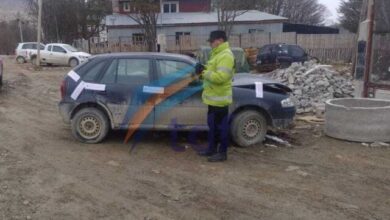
{"x": 25, "y": 50}
{"x": 61, "y": 54}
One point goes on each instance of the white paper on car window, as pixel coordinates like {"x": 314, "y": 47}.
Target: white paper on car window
{"x": 74, "y": 76}
{"x": 259, "y": 90}
{"x": 153, "y": 90}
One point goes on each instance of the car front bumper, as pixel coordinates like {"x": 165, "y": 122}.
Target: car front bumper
{"x": 284, "y": 118}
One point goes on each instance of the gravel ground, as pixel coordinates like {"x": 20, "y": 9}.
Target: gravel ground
{"x": 45, "y": 174}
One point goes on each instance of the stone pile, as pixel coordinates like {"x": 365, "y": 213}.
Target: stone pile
{"x": 313, "y": 84}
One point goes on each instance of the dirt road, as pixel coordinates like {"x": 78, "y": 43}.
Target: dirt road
{"x": 45, "y": 174}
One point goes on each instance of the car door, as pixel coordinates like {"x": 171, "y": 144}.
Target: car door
{"x": 125, "y": 79}
{"x": 57, "y": 56}
{"x": 46, "y": 55}
{"x": 297, "y": 53}
{"x": 184, "y": 108}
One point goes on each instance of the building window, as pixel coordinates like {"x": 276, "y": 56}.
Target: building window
{"x": 256, "y": 31}
{"x": 170, "y": 7}
{"x": 138, "y": 38}
{"x": 126, "y": 6}
{"x": 179, "y": 36}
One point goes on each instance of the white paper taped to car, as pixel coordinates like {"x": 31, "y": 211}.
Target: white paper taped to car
{"x": 95, "y": 87}
{"x": 259, "y": 90}
{"x": 76, "y": 93}
{"x": 88, "y": 86}
{"x": 72, "y": 74}
{"x": 153, "y": 90}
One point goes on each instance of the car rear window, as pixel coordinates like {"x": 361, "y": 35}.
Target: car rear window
{"x": 265, "y": 50}
{"x": 92, "y": 74}
{"x": 27, "y": 46}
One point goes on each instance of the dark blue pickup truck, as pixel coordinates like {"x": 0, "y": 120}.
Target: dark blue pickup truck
{"x": 105, "y": 92}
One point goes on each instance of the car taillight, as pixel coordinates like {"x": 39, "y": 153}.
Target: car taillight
{"x": 63, "y": 89}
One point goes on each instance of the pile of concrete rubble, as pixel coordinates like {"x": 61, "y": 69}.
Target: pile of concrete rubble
{"x": 313, "y": 84}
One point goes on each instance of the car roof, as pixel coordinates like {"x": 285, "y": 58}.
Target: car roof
{"x": 57, "y": 44}
{"x": 154, "y": 55}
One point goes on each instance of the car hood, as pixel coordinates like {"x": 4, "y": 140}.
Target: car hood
{"x": 247, "y": 80}
{"x": 244, "y": 79}
{"x": 81, "y": 54}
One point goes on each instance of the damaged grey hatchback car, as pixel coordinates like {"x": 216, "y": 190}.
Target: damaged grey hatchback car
{"x": 105, "y": 92}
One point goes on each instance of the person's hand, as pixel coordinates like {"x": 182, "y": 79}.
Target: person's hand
{"x": 199, "y": 68}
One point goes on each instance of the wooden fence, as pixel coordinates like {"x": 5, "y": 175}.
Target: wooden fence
{"x": 326, "y": 47}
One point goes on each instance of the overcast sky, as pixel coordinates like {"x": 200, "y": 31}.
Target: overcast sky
{"x": 332, "y": 6}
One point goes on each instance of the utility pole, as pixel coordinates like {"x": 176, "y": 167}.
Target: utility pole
{"x": 20, "y": 30}
{"x": 38, "y": 63}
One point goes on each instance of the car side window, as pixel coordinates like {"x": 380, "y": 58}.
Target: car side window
{"x": 168, "y": 67}
{"x": 133, "y": 71}
{"x": 296, "y": 51}
{"x": 110, "y": 74}
{"x": 92, "y": 74}
{"x": 58, "y": 49}
{"x": 26, "y": 46}
{"x": 49, "y": 48}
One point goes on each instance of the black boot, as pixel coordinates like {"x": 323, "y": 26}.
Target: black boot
{"x": 206, "y": 153}
{"x": 219, "y": 157}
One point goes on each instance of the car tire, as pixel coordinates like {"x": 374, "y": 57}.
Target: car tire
{"x": 20, "y": 60}
{"x": 90, "y": 126}
{"x": 73, "y": 62}
{"x": 248, "y": 128}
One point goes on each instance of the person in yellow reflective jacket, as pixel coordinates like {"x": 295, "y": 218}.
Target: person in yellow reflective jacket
{"x": 218, "y": 95}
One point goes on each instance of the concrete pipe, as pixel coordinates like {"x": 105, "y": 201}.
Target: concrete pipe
{"x": 360, "y": 120}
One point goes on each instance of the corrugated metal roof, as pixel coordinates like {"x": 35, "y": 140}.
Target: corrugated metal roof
{"x": 193, "y": 18}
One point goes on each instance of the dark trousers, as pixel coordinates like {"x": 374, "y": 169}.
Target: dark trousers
{"x": 218, "y": 122}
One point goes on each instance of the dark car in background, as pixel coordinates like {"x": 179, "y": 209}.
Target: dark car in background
{"x": 105, "y": 92}
{"x": 273, "y": 56}
{"x": 242, "y": 65}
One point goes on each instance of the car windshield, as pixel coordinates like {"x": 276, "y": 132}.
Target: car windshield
{"x": 70, "y": 48}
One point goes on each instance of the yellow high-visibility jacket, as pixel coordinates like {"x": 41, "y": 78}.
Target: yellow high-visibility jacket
{"x": 218, "y": 76}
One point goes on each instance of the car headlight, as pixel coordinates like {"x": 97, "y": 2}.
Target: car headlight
{"x": 287, "y": 103}
{"x": 83, "y": 57}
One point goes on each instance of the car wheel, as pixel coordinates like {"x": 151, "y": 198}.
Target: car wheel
{"x": 248, "y": 128}
{"x": 20, "y": 60}
{"x": 73, "y": 62}
{"x": 90, "y": 126}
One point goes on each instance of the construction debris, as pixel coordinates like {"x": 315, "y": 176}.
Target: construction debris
{"x": 313, "y": 84}
{"x": 278, "y": 140}
{"x": 311, "y": 119}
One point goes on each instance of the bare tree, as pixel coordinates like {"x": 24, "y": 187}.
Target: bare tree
{"x": 350, "y": 14}
{"x": 298, "y": 11}
{"x": 229, "y": 10}
{"x": 67, "y": 20}
{"x": 145, "y": 13}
